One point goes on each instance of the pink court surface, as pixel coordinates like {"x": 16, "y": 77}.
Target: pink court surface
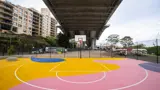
{"x": 80, "y": 74}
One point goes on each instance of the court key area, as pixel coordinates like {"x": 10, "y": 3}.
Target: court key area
{"x": 79, "y": 74}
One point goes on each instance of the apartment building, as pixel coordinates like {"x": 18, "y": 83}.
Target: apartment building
{"x": 36, "y": 23}
{"x": 53, "y": 27}
{"x": 22, "y": 20}
{"x": 6, "y": 11}
{"x": 29, "y": 21}
{"x": 46, "y": 22}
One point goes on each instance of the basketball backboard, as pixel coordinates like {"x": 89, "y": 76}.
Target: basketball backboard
{"x": 80, "y": 38}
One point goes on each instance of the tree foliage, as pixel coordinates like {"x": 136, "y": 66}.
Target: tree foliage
{"x": 72, "y": 43}
{"x": 140, "y": 46}
{"x": 51, "y": 40}
{"x": 126, "y": 41}
{"x": 113, "y": 39}
{"x": 153, "y": 50}
{"x": 11, "y": 50}
{"x": 63, "y": 40}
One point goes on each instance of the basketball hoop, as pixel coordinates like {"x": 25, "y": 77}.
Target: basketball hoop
{"x": 80, "y": 41}
{"x": 80, "y": 37}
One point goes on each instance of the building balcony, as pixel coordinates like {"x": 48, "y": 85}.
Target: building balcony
{"x": 6, "y": 23}
{"x": 36, "y": 15}
{"x": 6, "y": 13}
{"x": 9, "y": 4}
{"x": 35, "y": 27}
{"x": 6, "y": 18}
{"x": 7, "y": 8}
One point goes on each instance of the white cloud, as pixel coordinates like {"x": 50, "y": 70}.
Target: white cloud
{"x": 139, "y": 30}
{"x": 37, "y": 4}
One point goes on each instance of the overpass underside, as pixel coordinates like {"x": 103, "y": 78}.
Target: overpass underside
{"x": 83, "y": 17}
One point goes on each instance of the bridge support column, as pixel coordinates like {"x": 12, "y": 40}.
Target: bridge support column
{"x": 93, "y": 43}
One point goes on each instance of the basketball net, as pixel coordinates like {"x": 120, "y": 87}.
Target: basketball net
{"x": 80, "y": 42}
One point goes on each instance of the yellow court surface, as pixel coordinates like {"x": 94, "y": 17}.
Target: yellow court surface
{"x": 26, "y": 70}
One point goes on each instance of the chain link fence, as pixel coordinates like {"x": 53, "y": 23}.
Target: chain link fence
{"x": 148, "y": 50}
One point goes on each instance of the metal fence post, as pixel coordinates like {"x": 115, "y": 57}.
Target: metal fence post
{"x": 137, "y": 51}
{"x": 89, "y": 52}
{"x": 100, "y": 51}
{"x": 3, "y": 51}
{"x": 22, "y": 48}
{"x": 50, "y": 53}
{"x": 64, "y": 53}
{"x": 157, "y": 49}
{"x": 80, "y": 52}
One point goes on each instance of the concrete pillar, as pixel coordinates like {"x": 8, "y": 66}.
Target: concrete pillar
{"x": 93, "y": 43}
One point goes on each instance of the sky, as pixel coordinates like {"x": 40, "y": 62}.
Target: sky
{"x": 139, "y": 19}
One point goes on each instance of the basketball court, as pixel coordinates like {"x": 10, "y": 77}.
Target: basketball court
{"x": 78, "y": 70}
{"x": 79, "y": 74}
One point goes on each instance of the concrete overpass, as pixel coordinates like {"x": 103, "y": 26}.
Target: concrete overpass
{"x": 83, "y": 17}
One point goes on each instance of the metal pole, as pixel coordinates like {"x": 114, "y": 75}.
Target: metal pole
{"x": 36, "y": 50}
{"x": 100, "y": 51}
{"x": 111, "y": 51}
{"x": 10, "y": 42}
{"x": 64, "y": 53}
{"x": 3, "y": 51}
{"x": 157, "y": 49}
{"x": 80, "y": 53}
{"x": 89, "y": 52}
{"x": 137, "y": 50}
{"x": 50, "y": 53}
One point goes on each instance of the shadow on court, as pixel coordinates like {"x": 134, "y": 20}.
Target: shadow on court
{"x": 151, "y": 66}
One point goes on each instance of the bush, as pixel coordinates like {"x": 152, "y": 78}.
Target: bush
{"x": 11, "y": 50}
{"x": 153, "y": 50}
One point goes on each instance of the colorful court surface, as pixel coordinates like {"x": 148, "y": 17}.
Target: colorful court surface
{"x": 79, "y": 74}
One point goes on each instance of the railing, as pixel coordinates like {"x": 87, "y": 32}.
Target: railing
{"x": 6, "y": 7}
{"x": 7, "y": 23}
{"x": 2, "y": 11}
{"x": 5, "y": 17}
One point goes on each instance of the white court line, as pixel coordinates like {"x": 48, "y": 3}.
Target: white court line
{"x": 55, "y": 67}
{"x": 152, "y": 66}
{"x": 146, "y": 76}
{"x": 15, "y": 73}
{"x": 104, "y": 76}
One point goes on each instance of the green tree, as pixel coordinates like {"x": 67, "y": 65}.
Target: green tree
{"x": 72, "y": 43}
{"x": 51, "y": 40}
{"x": 63, "y": 40}
{"x": 11, "y": 50}
{"x": 140, "y": 46}
{"x": 153, "y": 50}
{"x": 113, "y": 39}
{"x": 126, "y": 41}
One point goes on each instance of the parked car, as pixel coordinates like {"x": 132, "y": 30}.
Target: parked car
{"x": 50, "y": 49}
{"x": 37, "y": 51}
{"x": 121, "y": 51}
